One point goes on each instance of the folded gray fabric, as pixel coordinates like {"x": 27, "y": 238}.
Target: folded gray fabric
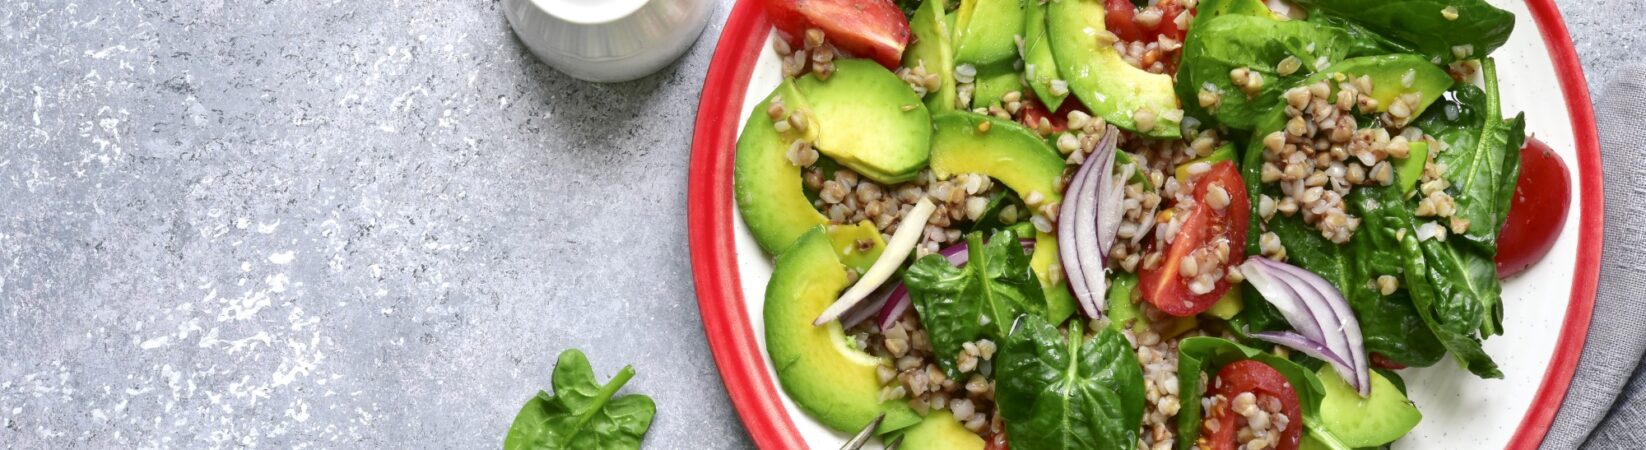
{"x": 1603, "y": 408}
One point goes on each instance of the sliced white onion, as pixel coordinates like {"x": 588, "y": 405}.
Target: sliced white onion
{"x": 1318, "y": 311}
{"x": 897, "y": 249}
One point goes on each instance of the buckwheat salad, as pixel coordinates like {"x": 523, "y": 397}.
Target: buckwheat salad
{"x": 1161, "y": 224}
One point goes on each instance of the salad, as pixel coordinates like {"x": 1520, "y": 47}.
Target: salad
{"x": 1158, "y": 224}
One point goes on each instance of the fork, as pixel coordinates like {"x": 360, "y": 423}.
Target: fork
{"x": 862, "y": 437}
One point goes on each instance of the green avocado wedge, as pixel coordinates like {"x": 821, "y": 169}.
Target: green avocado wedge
{"x": 1013, "y": 155}
{"x": 1375, "y": 420}
{"x": 818, "y": 366}
{"x": 933, "y": 46}
{"x": 939, "y": 431}
{"x": 1104, "y": 82}
{"x": 766, "y": 186}
{"x": 869, "y": 120}
{"x": 987, "y": 31}
{"x": 1039, "y": 67}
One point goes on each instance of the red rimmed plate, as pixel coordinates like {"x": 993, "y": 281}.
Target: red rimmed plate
{"x": 1546, "y": 309}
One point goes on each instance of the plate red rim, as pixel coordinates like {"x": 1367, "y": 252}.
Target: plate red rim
{"x": 737, "y": 350}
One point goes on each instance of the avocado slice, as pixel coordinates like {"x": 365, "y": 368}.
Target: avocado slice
{"x": 766, "y": 185}
{"x": 993, "y": 82}
{"x": 1103, "y": 81}
{"x": 1038, "y": 63}
{"x": 818, "y": 366}
{"x": 1008, "y": 152}
{"x": 869, "y": 120}
{"x": 934, "y": 47}
{"x": 1388, "y": 74}
{"x": 1225, "y": 152}
{"x": 849, "y": 242}
{"x": 987, "y": 31}
{"x": 1378, "y": 419}
{"x": 939, "y": 431}
{"x": 1410, "y": 168}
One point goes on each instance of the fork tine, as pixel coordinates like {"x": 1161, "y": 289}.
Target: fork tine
{"x": 897, "y": 442}
{"x": 862, "y": 437}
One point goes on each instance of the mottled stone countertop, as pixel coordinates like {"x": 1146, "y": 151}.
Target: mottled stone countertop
{"x": 352, "y": 224}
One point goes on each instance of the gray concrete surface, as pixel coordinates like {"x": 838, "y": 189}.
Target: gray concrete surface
{"x": 351, "y": 224}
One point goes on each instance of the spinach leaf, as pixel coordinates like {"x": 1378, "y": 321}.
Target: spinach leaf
{"x": 1073, "y": 393}
{"x": 581, "y": 414}
{"x": 1220, "y": 44}
{"x": 1482, "y": 160}
{"x": 1481, "y": 155}
{"x": 1363, "y": 42}
{"x": 1422, "y": 24}
{"x": 1390, "y": 324}
{"x": 1449, "y": 316}
{"x": 1205, "y": 354}
{"x": 1441, "y": 279}
{"x": 960, "y": 305}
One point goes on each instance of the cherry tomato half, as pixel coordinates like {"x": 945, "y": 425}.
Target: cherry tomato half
{"x": 1205, "y": 229}
{"x": 1121, "y": 18}
{"x": 1262, "y": 381}
{"x": 1542, "y": 194}
{"x": 873, "y": 29}
{"x": 1033, "y": 111}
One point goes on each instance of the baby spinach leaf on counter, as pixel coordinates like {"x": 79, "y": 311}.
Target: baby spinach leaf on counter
{"x": 1390, "y": 324}
{"x": 1074, "y": 393}
{"x": 1438, "y": 311}
{"x": 1205, "y": 354}
{"x": 1218, "y": 45}
{"x": 581, "y": 414}
{"x": 1426, "y": 25}
{"x": 960, "y": 305}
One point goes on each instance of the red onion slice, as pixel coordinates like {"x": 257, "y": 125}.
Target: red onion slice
{"x": 1083, "y": 250}
{"x": 1349, "y": 324}
{"x": 1308, "y": 347}
{"x": 1318, "y": 312}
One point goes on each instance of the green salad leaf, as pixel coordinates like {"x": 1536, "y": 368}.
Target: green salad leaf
{"x": 1442, "y": 30}
{"x": 1482, "y": 160}
{"x": 959, "y": 305}
{"x": 1441, "y": 278}
{"x": 1390, "y": 325}
{"x": 1074, "y": 393}
{"x": 1257, "y": 44}
{"x": 1205, "y": 354}
{"x": 581, "y": 414}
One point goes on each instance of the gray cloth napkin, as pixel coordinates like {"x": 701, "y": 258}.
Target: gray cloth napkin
{"x": 1604, "y": 408}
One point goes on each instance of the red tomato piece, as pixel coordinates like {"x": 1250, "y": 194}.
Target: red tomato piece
{"x": 1118, "y": 14}
{"x": 873, "y": 29}
{"x": 1169, "y": 10}
{"x": 1543, "y": 192}
{"x": 1033, "y": 111}
{"x": 1205, "y": 228}
{"x": 1386, "y": 363}
{"x": 1262, "y": 381}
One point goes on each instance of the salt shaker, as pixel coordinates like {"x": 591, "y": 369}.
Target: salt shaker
{"x": 608, "y": 40}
